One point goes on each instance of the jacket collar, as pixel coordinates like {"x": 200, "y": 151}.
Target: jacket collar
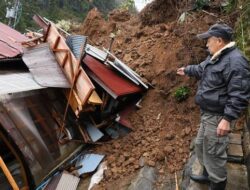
{"x": 230, "y": 45}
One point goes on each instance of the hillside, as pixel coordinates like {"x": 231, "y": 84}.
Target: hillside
{"x": 154, "y": 43}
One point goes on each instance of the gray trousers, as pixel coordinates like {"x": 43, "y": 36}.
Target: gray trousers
{"x": 211, "y": 149}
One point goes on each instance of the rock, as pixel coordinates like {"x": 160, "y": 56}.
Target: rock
{"x": 161, "y": 171}
{"x": 180, "y": 150}
{"x": 127, "y": 58}
{"x": 160, "y": 156}
{"x": 151, "y": 163}
{"x": 188, "y": 130}
{"x": 168, "y": 149}
{"x": 121, "y": 159}
{"x": 145, "y": 179}
{"x": 183, "y": 133}
{"x": 169, "y": 136}
{"x": 142, "y": 161}
{"x": 157, "y": 35}
{"x": 117, "y": 145}
{"x": 126, "y": 155}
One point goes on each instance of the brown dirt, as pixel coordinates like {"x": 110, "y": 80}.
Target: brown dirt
{"x": 163, "y": 128}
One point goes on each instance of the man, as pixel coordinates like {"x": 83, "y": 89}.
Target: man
{"x": 223, "y": 93}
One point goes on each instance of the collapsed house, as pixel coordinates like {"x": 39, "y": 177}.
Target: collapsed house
{"x": 58, "y": 93}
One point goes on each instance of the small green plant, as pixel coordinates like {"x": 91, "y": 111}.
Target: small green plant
{"x": 128, "y": 5}
{"x": 181, "y": 93}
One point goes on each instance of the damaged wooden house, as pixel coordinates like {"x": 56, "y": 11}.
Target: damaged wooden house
{"x": 57, "y": 94}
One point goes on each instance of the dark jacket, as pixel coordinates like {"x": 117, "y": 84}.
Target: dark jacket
{"x": 224, "y": 87}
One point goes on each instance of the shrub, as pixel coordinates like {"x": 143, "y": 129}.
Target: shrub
{"x": 182, "y": 93}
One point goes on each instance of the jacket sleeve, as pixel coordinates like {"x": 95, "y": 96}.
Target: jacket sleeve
{"x": 238, "y": 88}
{"x": 195, "y": 70}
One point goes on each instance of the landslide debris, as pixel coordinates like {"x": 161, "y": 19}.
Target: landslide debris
{"x": 154, "y": 44}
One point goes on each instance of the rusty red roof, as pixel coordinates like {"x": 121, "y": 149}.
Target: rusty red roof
{"x": 10, "y": 42}
{"x": 118, "y": 85}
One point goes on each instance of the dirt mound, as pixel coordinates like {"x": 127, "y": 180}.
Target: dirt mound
{"x": 119, "y": 15}
{"x": 161, "y": 11}
{"x": 163, "y": 128}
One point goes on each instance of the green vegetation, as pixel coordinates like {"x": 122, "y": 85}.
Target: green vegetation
{"x": 181, "y": 93}
{"x": 243, "y": 28}
{"x": 56, "y": 10}
{"x": 230, "y": 6}
{"x": 129, "y": 5}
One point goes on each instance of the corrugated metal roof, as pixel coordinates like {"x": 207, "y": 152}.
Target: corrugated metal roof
{"x": 43, "y": 65}
{"x": 64, "y": 181}
{"x": 17, "y": 82}
{"x": 115, "y": 83}
{"x": 76, "y": 44}
{"x": 10, "y": 42}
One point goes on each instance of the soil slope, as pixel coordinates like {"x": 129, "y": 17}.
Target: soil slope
{"x": 154, "y": 44}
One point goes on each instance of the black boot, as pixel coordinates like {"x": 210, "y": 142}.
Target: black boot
{"x": 218, "y": 186}
{"x": 203, "y": 178}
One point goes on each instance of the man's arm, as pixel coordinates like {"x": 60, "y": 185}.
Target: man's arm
{"x": 193, "y": 70}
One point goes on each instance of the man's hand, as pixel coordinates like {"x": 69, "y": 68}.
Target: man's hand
{"x": 223, "y": 128}
{"x": 180, "y": 71}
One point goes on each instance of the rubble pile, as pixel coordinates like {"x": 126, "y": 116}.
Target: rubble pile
{"x": 162, "y": 128}
{"x": 110, "y": 84}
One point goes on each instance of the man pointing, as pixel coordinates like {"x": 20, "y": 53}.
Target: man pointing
{"x": 223, "y": 94}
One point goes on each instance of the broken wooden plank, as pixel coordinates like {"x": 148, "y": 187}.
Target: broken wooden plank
{"x": 80, "y": 82}
{"x": 94, "y": 99}
{"x": 8, "y": 175}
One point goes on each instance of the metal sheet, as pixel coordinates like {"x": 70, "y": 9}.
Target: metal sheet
{"x": 99, "y": 82}
{"x": 63, "y": 181}
{"x": 95, "y": 52}
{"x": 17, "y": 82}
{"x": 124, "y": 73}
{"x": 68, "y": 182}
{"x": 10, "y": 42}
{"x": 42, "y": 64}
{"x": 94, "y": 133}
{"x": 89, "y": 163}
{"x": 117, "y": 84}
{"x": 76, "y": 43}
{"x": 119, "y": 65}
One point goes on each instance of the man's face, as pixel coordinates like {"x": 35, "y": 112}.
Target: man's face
{"x": 214, "y": 44}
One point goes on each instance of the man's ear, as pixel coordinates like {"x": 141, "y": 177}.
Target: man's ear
{"x": 221, "y": 41}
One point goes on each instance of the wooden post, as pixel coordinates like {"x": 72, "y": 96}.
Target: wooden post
{"x": 8, "y": 175}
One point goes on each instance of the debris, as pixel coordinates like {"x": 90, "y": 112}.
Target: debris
{"x": 42, "y": 64}
{"x": 10, "y": 43}
{"x": 94, "y": 133}
{"x": 14, "y": 82}
{"x": 182, "y": 17}
{"x": 98, "y": 176}
{"x": 95, "y": 52}
{"x": 8, "y": 175}
{"x": 76, "y": 43}
{"x": 89, "y": 163}
{"x": 66, "y": 59}
{"x": 129, "y": 72}
{"x": 63, "y": 181}
{"x": 112, "y": 83}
